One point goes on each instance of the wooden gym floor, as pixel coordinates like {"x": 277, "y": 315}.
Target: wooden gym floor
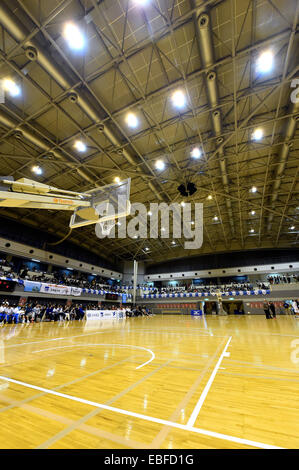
{"x": 161, "y": 382}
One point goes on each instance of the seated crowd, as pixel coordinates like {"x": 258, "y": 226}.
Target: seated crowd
{"x": 11, "y": 312}
{"x": 201, "y": 288}
{"x": 283, "y": 279}
{"x": 78, "y": 279}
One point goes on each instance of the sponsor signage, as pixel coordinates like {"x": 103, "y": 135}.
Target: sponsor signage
{"x": 196, "y": 312}
{"x": 31, "y": 286}
{"x": 104, "y": 314}
{"x": 76, "y": 291}
{"x": 176, "y": 306}
{"x": 55, "y": 289}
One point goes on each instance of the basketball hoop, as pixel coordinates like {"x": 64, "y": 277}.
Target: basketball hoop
{"x": 105, "y": 204}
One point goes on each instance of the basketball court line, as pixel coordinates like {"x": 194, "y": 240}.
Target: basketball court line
{"x": 104, "y": 344}
{"x": 251, "y": 376}
{"x": 75, "y": 424}
{"x": 254, "y": 365}
{"x": 67, "y": 384}
{"x": 205, "y": 392}
{"x": 183, "y": 427}
{"x": 161, "y": 436}
{"x": 53, "y": 339}
{"x": 207, "y": 335}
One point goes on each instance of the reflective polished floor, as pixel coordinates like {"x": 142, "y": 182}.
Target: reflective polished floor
{"x": 154, "y": 382}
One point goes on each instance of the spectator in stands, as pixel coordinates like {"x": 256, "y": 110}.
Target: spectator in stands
{"x": 81, "y": 312}
{"x": 272, "y": 308}
{"x": 266, "y": 308}
{"x": 28, "y": 310}
{"x": 36, "y": 310}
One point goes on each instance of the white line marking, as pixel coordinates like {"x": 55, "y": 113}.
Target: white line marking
{"x": 104, "y": 344}
{"x": 202, "y": 398}
{"x": 52, "y": 339}
{"x": 145, "y": 417}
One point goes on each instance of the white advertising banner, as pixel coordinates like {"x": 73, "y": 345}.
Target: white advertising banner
{"x": 104, "y": 314}
{"x": 55, "y": 289}
{"x": 76, "y": 291}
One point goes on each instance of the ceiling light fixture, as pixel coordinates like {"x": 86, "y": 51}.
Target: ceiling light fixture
{"x": 80, "y": 146}
{"x": 253, "y": 189}
{"x": 131, "y": 120}
{"x": 73, "y": 36}
{"x": 11, "y": 87}
{"x": 141, "y": 2}
{"x": 117, "y": 179}
{"x": 160, "y": 165}
{"x": 178, "y": 99}
{"x": 264, "y": 63}
{"x": 257, "y": 134}
{"x": 195, "y": 152}
{"x": 37, "y": 170}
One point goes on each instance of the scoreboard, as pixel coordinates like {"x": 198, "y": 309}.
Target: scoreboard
{"x": 7, "y": 286}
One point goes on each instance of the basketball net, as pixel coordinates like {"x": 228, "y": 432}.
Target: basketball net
{"x": 107, "y": 226}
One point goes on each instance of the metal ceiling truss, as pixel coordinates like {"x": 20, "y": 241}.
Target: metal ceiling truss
{"x": 231, "y": 163}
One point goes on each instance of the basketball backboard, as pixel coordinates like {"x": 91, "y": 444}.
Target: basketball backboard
{"x": 108, "y": 203}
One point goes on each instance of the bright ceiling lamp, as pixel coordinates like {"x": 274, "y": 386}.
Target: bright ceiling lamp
{"x": 11, "y": 87}
{"x": 80, "y": 146}
{"x": 252, "y": 212}
{"x": 131, "y": 120}
{"x": 251, "y": 230}
{"x": 258, "y": 134}
{"x": 73, "y": 36}
{"x": 253, "y": 189}
{"x": 292, "y": 227}
{"x": 210, "y": 197}
{"x": 196, "y": 152}
{"x": 117, "y": 179}
{"x": 178, "y": 99}
{"x": 215, "y": 218}
{"x": 141, "y": 2}
{"x": 149, "y": 213}
{"x": 160, "y": 165}
{"x": 183, "y": 204}
{"x": 37, "y": 170}
{"x": 264, "y": 63}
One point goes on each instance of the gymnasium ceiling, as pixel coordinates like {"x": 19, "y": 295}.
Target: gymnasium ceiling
{"x": 135, "y": 57}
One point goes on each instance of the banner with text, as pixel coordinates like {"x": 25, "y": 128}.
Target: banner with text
{"x": 55, "y": 289}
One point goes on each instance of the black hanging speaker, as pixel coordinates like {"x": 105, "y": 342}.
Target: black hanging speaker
{"x": 182, "y": 190}
{"x": 191, "y": 188}
{"x": 187, "y": 191}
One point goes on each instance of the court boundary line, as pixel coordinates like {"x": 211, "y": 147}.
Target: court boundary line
{"x": 104, "y": 344}
{"x": 52, "y": 339}
{"x": 145, "y": 417}
{"x": 205, "y": 391}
